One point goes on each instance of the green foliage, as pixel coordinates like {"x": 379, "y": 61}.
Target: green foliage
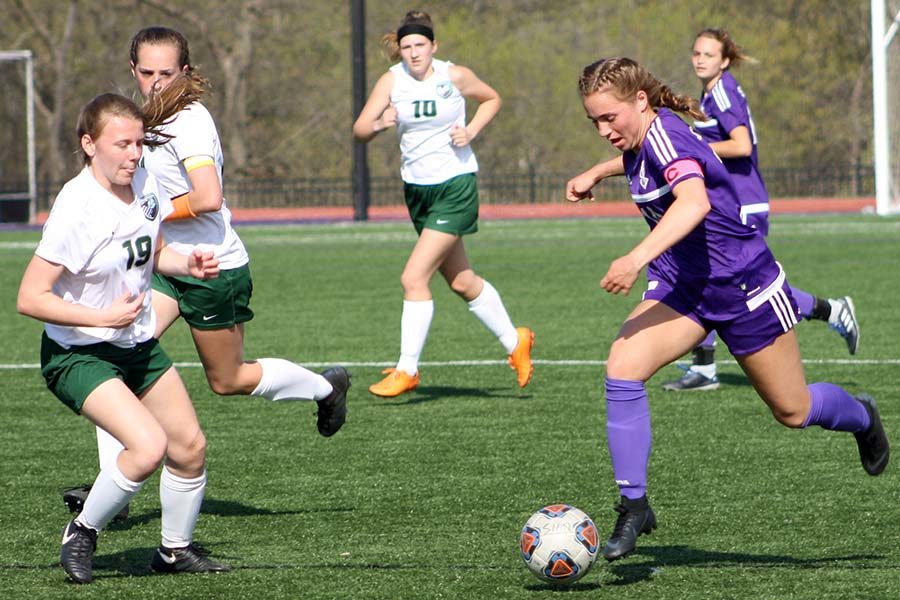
{"x": 423, "y": 496}
{"x": 809, "y": 91}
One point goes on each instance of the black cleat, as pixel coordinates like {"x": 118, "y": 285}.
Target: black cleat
{"x": 74, "y": 498}
{"x": 844, "y": 322}
{"x": 692, "y": 381}
{"x": 191, "y": 559}
{"x": 635, "y": 518}
{"x": 77, "y": 553}
{"x": 333, "y": 410}
{"x": 874, "y": 450}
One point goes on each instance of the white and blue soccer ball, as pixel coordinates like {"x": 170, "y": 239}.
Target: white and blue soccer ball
{"x": 559, "y": 543}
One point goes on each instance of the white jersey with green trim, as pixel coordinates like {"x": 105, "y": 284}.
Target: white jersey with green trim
{"x": 194, "y": 134}
{"x": 107, "y": 249}
{"x": 427, "y": 111}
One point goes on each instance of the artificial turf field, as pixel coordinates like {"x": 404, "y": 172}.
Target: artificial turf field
{"x": 423, "y": 496}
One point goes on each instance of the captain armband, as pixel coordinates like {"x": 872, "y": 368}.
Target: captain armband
{"x": 195, "y": 162}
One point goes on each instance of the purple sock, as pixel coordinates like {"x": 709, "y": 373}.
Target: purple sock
{"x": 710, "y": 339}
{"x": 833, "y": 408}
{"x": 805, "y": 302}
{"x": 628, "y": 434}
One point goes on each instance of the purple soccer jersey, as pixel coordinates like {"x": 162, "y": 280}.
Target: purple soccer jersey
{"x": 727, "y": 109}
{"x": 722, "y": 269}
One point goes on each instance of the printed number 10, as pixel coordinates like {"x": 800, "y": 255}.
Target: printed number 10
{"x": 424, "y": 108}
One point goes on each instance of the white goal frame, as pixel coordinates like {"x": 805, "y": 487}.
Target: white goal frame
{"x": 31, "y": 193}
{"x": 881, "y": 41}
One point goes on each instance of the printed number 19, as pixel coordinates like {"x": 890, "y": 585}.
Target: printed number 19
{"x": 143, "y": 245}
{"x": 424, "y": 108}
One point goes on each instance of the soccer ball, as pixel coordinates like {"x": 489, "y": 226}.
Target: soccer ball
{"x": 559, "y": 543}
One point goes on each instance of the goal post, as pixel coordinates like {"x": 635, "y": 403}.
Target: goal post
{"x": 885, "y": 96}
{"x": 22, "y": 183}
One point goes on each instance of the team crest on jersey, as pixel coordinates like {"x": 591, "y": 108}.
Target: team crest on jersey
{"x": 444, "y": 89}
{"x": 150, "y": 204}
{"x": 643, "y": 176}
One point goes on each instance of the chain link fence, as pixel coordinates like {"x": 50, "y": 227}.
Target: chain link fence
{"x": 817, "y": 181}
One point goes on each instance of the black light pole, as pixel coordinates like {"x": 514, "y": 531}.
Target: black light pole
{"x": 360, "y": 159}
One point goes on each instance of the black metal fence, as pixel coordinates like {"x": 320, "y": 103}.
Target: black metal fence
{"x": 820, "y": 181}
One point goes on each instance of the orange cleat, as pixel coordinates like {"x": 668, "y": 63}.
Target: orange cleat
{"x": 396, "y": 383}
{"x": 520, "y": 359}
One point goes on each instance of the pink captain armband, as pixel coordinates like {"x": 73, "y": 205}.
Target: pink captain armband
{"x": 682, "y": 169}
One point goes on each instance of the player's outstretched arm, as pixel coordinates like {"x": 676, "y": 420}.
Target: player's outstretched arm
{"x": 199, "y": 264}
{"x": 579, "y": 187}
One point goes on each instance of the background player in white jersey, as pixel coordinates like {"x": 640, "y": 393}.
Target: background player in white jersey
{"x": 89, "y": 281}
{"x": 426, "y": 99}
{"x": 189, "y": 168}
{"x": 729, "y": 130}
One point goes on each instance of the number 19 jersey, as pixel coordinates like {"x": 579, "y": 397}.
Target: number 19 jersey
{"x": 107, "y": 248}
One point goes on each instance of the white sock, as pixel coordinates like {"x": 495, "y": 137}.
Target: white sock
{"x": 108, "y": 447}
{"x": 283, "y": 380}
{"x": 708, "y": 371}
{"x": 110, "y": 492}
{"x": 414, "y": 324}
{"x": 835, "y": 311}
{"x": 489, "y": 309}
{"x": 180, "y": 499}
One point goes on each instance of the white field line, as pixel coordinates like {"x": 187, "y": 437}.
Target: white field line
{"x": 491, "y": 363}
{"x": 295, "y": 235}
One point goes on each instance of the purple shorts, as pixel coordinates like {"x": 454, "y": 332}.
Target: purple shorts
{"x": 746, "y": 322}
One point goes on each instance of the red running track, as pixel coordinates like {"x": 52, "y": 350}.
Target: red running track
{"x": 560, "y": 210}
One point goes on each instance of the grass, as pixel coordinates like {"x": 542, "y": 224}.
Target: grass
{"x": 423, "y": 496}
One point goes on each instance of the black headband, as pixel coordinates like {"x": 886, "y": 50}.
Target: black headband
{"x": 411, "y": 28}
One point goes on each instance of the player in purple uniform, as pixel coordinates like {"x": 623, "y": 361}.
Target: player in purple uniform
{"x": 729, "y": 129}
{"x": 707, "y": 271}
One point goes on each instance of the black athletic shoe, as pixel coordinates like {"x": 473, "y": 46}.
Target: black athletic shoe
{"x": 844, "y": 322}
{"x": 692, "y": 381}
{"x": 77, "y": 553}
{"x": 333, "y": 410}
{"x": 191, "y": 559}
{"x": 74, "y": 498}
{"x": 635, "y": 518}
{"x": 874, "y": 450}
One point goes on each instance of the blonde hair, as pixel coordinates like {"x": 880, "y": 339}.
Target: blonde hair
{"x": 96, "y": 113}
{"x": 625, "y": 78}
{"x": 161, "y": 107}
{"x": 730, "y": 49}
{"x": 390, "y": 43}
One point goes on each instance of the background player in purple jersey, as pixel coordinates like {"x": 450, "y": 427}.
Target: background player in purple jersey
{"x": 729, "y": 129}
{"x": 707, "y": 271}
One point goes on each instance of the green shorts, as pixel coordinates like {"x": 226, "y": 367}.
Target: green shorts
{"x": 450, "y": 207}
{"x": 72, "y": 374}
{"x": 218, "y": 303}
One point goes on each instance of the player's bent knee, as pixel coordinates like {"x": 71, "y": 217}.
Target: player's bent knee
{"x": 621, "y": 367}
{"x": 412, "y": 283}
{"x": 793, "y": 419}
{"x": 188, "y": 455}
{"x": 464, "y": 284}
{"x": 145, "y": 457}
{"x": 222, "y": 385}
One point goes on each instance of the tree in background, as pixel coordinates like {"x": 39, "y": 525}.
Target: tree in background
{"x": 281, "y": 73}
